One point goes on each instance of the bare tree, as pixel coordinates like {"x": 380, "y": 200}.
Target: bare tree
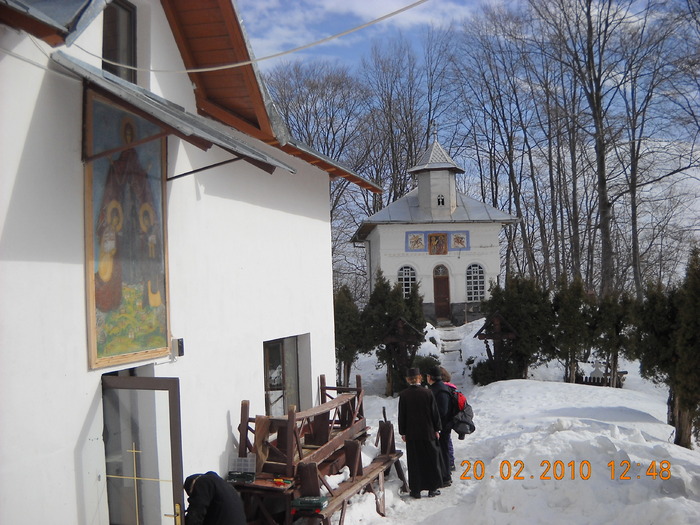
{"x": 577, "y": 116}
{"x": 585, "y": 35}
{"x": 397, "y": 116}
{"x": 323, "y": 105}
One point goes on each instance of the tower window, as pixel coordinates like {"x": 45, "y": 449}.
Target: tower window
{"x": 440, "y": 200}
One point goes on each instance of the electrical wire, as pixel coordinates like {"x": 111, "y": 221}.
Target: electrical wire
{"x": 37, "y": 64}
{"x": 255, "y": 60}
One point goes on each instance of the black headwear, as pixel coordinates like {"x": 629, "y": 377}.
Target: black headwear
{"x": 413, "y": 372}
{"x": 435, "y": 373}
{"x": 189, "y": 483}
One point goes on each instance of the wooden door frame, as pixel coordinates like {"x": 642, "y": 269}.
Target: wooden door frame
{"x": 171, "y": 385}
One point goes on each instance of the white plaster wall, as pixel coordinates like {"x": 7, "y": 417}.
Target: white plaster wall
{"x": 387, "y": 245}
{"x": 249, "y": 262}
{"x": 50, "y": 404}
{"x": 249, "y": 257}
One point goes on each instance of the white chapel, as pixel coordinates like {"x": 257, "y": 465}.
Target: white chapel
{"x": 437, "y": 237}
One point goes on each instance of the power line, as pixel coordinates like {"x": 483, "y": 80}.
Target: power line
{"x": 255, "y": 60}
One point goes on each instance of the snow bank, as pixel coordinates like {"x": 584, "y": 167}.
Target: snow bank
{"x": 547, "y": 452}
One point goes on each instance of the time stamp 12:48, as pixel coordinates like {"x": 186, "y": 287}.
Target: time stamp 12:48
{"x": 559, "y": 470}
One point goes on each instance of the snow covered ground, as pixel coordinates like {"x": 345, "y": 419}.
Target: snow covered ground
{"x": 532, "y": 437}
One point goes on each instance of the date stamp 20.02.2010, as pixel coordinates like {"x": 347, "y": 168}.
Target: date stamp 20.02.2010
{"x": 560, "y": 470}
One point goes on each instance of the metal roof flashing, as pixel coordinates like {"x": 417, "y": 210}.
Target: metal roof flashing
{"x": 185, "y": 125}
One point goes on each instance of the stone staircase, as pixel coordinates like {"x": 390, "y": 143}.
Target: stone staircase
{"x": 451, "y": 339}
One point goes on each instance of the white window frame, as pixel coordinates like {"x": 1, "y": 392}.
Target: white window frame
{"x": 475, "y": 283}
{"x": 406, "y": 278}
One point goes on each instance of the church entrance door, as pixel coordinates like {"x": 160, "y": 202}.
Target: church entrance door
{"x": 441, "y": 291}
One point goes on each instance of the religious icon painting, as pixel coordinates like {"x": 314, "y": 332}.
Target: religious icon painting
{"x": 437, "y": 243}
{"x": 125, "y": 235}
{"x": 415, "y": 241}
{"x": 459, "y": 241}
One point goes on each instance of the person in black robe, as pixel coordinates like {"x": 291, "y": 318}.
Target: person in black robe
{"x": 444, "y": 404}
{"x": 212, "y": 501}
{"x": 419, "y": 427}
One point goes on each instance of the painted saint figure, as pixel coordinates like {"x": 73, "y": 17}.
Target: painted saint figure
{"x": 130, "y": 244}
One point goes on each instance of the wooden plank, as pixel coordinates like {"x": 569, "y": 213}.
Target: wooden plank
{"x": 337, "y": 442}
{"x": 202, "y": 16}
{"x": 205, "y": 30}
{"x": 353, "y": 453}
{"x": 380, "y": 497}
{"x": 325, "y": 407}
{"x": 320, "y": 430}
{"x": 189, "y": 5}
{"x": 260, "y": 446}
{"x": 289, "y": 439}
{"x": 218, "y": 57}
{"x": 244, "y": 444}
{"x": 349, "y": 488}
{"x": 308, "y": 479}
{"x": 209, "y": 43}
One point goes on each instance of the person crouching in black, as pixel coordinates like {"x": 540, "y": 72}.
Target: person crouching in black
{"x": 212, "y": 501}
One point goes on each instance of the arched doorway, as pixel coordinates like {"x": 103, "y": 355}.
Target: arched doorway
{"x": 441, "y": 291}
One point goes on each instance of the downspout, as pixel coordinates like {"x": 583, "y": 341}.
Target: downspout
{"x": 368, "y": 249}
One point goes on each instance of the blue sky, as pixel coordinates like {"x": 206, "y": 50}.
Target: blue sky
{"x": 274, "y": 26}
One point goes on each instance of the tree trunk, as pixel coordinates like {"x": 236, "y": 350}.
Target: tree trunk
{"x": 614, "y": 358}
{"x": 683, "y": 423}
{"x": 389, "y": 392}
{"x": 572, "y": 366}
{"x": 347, "y": 366}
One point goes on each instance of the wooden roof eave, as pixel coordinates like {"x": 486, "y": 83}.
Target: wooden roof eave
{"x": 261, "y": 125}
{"x": 266, "y": 126}
{"x": 334, "y": 170}
{"x": 250, "y": 75}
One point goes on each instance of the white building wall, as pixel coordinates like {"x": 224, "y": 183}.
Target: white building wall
{"x": 387, "y": 246}
{"x": 249, "y": 258}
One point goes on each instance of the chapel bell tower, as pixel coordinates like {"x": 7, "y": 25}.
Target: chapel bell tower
{"x": 437, "y": 188}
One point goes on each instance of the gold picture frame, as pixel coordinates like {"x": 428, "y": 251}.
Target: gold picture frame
{"x": 126, "y": 237}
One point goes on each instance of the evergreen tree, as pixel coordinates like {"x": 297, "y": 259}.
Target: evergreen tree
{"x": 656, "y": 319}
{"x": 414, "y": 308}
{"x": 613, "y": 320}
{"x": 686, "y": 384}
{"x": 348, "y": 333}
{"x": 667, "y": 344}
{"x": 388, "y": 322}
{"x": 528, "y": 309}
{"x": 573, "y": 310}
{"x": 379, "y": 312}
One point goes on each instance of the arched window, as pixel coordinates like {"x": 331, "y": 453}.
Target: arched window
{"x": 407, "y": 278}
{"x": 476, "y": 285}
{"x": 441, "y": 200}
{"x": 440, "y": 271}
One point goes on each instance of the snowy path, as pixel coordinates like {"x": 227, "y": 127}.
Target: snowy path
{"x": 538, "y": 429}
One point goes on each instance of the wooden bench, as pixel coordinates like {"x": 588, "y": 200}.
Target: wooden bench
{"x": 282, "y": 442}
{"x": 362, "y": 478}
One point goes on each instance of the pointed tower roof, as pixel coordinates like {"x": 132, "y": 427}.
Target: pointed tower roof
{"x": 435, "y": 158}
{"x": 409, "y": 209}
